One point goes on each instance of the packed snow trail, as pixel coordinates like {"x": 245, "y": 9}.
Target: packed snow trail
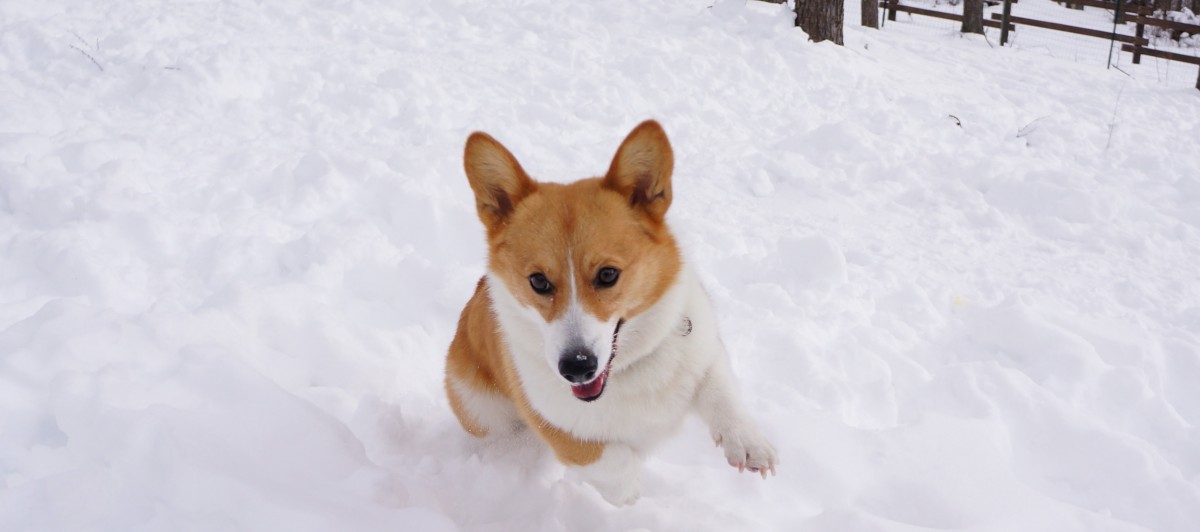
{"x": 234, "y": 249}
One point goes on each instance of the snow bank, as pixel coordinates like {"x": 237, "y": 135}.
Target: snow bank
{"x": 233, "y": 259}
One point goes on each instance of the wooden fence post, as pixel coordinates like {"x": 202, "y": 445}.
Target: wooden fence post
{"x": 870, "y": 13}
{"x": 1137, "y": 40}
{"x": 892, "y": 9}
{"x": 1004, "y": 22}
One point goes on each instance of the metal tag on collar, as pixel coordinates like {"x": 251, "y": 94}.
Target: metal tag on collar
{"x": 685, "y": 328}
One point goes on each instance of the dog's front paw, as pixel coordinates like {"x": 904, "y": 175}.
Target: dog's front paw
{"x": 747, "y": 449}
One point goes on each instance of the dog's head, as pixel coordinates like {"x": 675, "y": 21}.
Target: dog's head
{"x": 579, "y": 259}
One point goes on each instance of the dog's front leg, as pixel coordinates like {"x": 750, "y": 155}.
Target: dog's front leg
{"x": 616, "y": 475}
{"x": 613, "y": 468}
{"x": 718, "y": 404}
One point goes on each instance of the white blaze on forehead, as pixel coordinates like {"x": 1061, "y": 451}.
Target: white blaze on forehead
{"x": 576, "y": 327}
{"x": 566, "y": 331}
{"x": 573, "y": 309}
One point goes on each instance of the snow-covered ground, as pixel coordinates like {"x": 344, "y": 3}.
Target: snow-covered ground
{"x": 958, "y": 282}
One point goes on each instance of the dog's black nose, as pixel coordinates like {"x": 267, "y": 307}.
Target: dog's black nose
{"x": 577, "y": 365}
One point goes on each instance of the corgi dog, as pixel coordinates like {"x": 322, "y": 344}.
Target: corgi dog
{"x": 588, "y": 327}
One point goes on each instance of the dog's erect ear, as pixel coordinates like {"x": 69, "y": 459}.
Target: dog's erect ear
{"x": 496, "y": 177}
{"x": 641, "y": 170}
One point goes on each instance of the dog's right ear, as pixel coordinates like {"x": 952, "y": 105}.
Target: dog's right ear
{"x": 496, "y": 177}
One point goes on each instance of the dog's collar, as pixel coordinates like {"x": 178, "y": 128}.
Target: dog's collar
{"x": 685, "y": 328}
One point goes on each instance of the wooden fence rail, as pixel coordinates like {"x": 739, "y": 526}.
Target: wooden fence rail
{"x": 1145, "y": 18}
{"x": 1120, "y": 16}
{"x": 1182, "y": 58}
{"x": 1071, "y": 29}
{"x": 1137, "y": 48}
{"x": 893, "y": 6}
{"x": 1125, "y": 8}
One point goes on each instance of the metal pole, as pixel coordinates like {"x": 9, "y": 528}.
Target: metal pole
{"x": 1004, "y": 22}
{"x": 1113, "y": 39}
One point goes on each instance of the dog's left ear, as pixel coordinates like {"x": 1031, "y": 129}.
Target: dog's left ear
{"x": 641, "y": 170}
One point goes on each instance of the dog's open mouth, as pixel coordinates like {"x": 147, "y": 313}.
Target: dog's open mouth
{"x": 593, "y": 390}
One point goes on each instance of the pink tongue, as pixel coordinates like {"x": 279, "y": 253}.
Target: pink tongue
{"x": 591, "y": 389}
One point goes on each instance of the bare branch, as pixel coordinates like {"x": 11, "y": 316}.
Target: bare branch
{"x": 85, "y": 43}
{"x": 89, "y": 56}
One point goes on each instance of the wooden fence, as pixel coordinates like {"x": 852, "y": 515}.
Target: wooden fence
{"x": 894, "y": 5}
{"x": 1136, "y": 44}
{"x": 1087, "y": 32}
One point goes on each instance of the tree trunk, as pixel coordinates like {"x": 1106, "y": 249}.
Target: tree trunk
{"x": 870, "y": 13}
{"x": 821, "y": 19}
{"x": 972, "y": 16}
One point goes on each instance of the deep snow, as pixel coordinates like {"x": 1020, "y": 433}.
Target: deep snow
{"x": 958, "y": 283}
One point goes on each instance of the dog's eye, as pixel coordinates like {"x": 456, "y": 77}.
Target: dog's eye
{"x": 607, "y": 276}
{"x": 540, "y": 284}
